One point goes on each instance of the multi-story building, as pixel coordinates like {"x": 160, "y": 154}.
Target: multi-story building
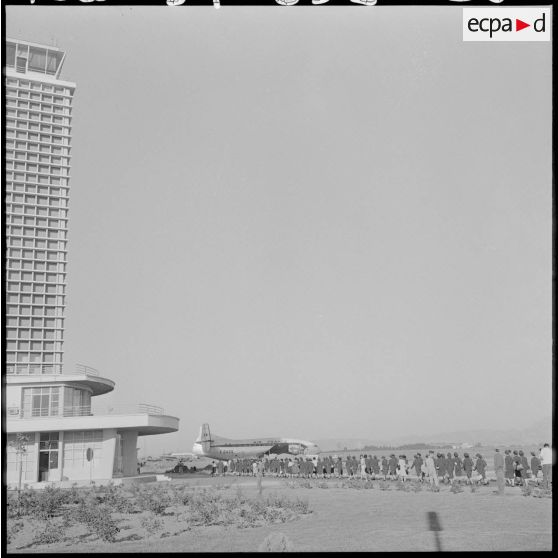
{"x": 47, "y": 403}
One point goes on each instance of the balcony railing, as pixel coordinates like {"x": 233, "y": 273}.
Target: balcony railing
{"x": 33, "y": 369}
{"x": 83, "y": 369}
{"x": 48, "y": 369}
{"x": 85, "y": 410}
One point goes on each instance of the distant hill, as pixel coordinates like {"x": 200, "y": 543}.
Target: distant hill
{"x": 536, "y": 433}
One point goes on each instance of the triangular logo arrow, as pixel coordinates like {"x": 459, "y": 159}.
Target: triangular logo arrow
{"x": 519, "y": 25}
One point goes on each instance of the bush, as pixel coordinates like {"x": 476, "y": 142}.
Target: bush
{"x": 51, "y": 533}
{"x": 151, "y": 524}
{"x": 153, "y": 499}
{"x": 12, "y": 529}
{"x": 114, "y": 498}
{"x": 98, "y": 520}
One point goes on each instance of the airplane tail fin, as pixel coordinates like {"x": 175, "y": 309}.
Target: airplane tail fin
{"x": 204, "y": 437}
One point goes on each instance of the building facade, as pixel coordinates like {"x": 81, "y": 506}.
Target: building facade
{"x": 53, "y": 435}
{"x": 38, "y": 151}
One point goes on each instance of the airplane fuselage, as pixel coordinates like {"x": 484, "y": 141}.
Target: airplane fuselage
{"x": 216, "y": 447}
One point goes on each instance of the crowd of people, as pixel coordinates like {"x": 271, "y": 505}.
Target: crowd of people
{"x": 434, "y": 467}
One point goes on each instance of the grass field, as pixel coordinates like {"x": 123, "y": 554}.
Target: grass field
{"x": 346, "y": 519}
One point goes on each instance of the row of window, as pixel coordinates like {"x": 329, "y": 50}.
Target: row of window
{"x": 29, "y": 232}
{"x": 35, "y": 137}
{"x": 34, "y": 334}
{"x": 41, "y": 189}
{"x": 46, "y": 158}
{"x": 53, "y": 267}
{"x": 32, "y": 242}
{"x": 41, "y": 299}
{"x": 37, "y": 59}
{"x": 34, "y": 221}
{"x": 45, "y": 255}
{"x": 27, "y": 277}
{"x": 33, "y": 296}
{"x": 14, "y": 198}
{"x": 28, "y": 166}
{"x": 50, "y": 323}
{"x": 39, "y": 86}
{"x": 40, "y": 211}
{"x": 31, "y": 358}
{"x": 20, "y": 93}
{"x": 29, "y": 147}
{"x": 48, "y": 401}
{"x": 26, "y": 114}
{"x": 49, "y": 311}
{"x": 49, "y": 180}
{"x": 58, "y": 131}
{"x": 65, "y": 110}
{"x": 27, "y": 346}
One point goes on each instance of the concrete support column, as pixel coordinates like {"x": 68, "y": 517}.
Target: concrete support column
{"x": 104, "y": 471}
{"x": 129, "y": 452}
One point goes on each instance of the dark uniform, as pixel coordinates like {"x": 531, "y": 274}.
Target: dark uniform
{"x": 458, "y": 465}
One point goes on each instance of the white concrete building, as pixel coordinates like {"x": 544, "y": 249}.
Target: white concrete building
{"x": 45, "y": 402}
{"x": 54, "y": 412}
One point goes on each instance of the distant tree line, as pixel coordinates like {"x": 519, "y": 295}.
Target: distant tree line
{"x": 419, "y": 445}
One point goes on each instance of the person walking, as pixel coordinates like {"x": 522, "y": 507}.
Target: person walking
{"x": 499, "y": 469}
{"x": 458, "y": 465}
{"x": 525, "y": 468}
{"x": 363, "y": 471}
{"x": 385, "y": 467}
{"x": 392, "y": 466}
{"x": 450, "y": 467}
{"x": 402, "y": 468}
{"x": 417, "y": 466}
{"x": 480, "y": 466}
{"x": 546, "y": 462}
{"x": 517, "y": 468}
{"x": 509, "y": 468}
{"x": 468, "y": 468}
{"x": 535, "y": 466}
{"x": 441, "y": 466}
{"x": 431, "y": 468}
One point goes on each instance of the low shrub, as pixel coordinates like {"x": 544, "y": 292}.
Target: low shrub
{"x": 49, "y": 534}
{"x": 155, "y": 500}
{"x": 98, "y": 520}
{"x": 12, "y": 529}
{"x": 151, "y": 523}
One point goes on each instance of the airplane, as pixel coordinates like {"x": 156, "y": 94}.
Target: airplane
{"x": 217, "y": 447}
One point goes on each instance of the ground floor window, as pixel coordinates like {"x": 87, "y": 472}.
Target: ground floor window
{"x": 76, "y": 445}
{"x": 28, "y": 459}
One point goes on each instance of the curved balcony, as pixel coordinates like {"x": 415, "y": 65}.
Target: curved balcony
{"x": 41, "y": 374}
{"x": 146, "y": 419}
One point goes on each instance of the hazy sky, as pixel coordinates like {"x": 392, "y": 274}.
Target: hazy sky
{"x": 313, "y": 222}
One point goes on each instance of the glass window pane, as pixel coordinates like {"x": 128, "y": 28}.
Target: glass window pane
{"x": 37, "y": 59}
{"x": 10, "y": 55}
